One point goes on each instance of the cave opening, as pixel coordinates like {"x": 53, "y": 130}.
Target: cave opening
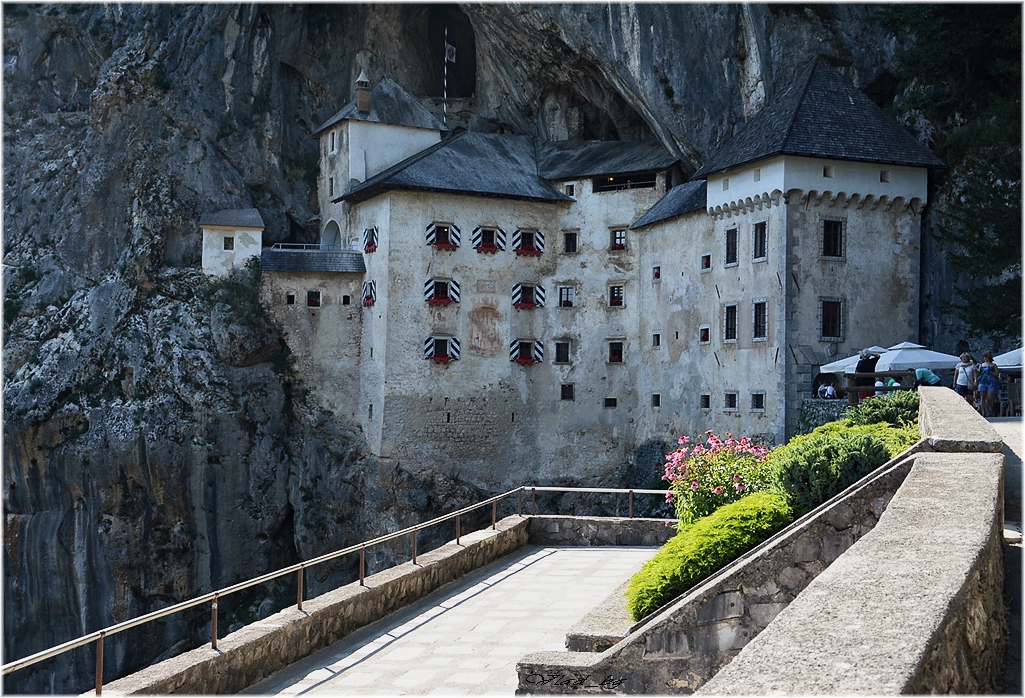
{"x": 462, "y": 72}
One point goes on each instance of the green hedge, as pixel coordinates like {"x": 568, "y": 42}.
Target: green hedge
{"x": 895, "y": 439}
{"x": 896, "y": 409}
{"x": 704, "y": 547}
{"x": 812, "y": 468}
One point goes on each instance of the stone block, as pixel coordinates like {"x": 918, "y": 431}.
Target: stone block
{"x": 720, "y": 637}
{"x": 666, "y": 644}
{"x": 793, "y": 579}
{"x": 806, "y": 549}
{"x": 721, "y": 607}
{"x": 840, "y": 516}
{"x": 763, "y": 613}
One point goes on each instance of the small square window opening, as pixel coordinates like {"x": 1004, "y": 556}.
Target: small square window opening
{"x": 617, "y": 239}
{"x": 616, "y": 296}
{"x": 656, "y": 273}
{"x": 566, "y": 296}
{"x": 757, "y": 401}
{"x": 346, "y": 300}
{"x": 289, "y": 299}
{"x": 611, "y": 402}
{"x": 706, "y": 401}
{"x": 731, "y": 401}
{"x": 569, "y": 243}
{"x": 706, "y": 262}
{"x": 884, "y": 175}
{"x": 566, "y": 391}
{"x": 313, "y": 299}
{"x": 656, "y": 340}
{"x": 570, "y": 190}
{"x": 229, "y": 243}
{"x": 562, "y": 352}
{"x": 704, "y": 334}
{"x": 656, "y": 400}
{"x": 615, "y": 352}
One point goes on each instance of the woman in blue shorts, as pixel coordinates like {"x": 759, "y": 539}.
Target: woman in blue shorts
{"x": 989, "y": 384}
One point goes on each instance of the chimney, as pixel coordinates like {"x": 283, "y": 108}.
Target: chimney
{"x": 363, "y": 93}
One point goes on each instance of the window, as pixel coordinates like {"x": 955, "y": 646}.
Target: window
{"x": 704, "y": 334}
{"x": 332, "y": 141}
{"x": 562, "y": 352}
{"x": 229, "y": 243}
{"x": 527, "y": 296}
{"x": 289, "y": 299}
{"x": 369, "y": 293}
{"x": 759, "y": 241}
{"x": 758, "y": 174}
{"x": 760, "y": 320}
{"x": 656, "y": 340}
{"x": 570, "y": 190}
{"x": 346, "y": 300}
{"x": 487, "y": 240}
{"x": 827, "y": 171}
{"x": 615, "y": 352}
{"x": 441, "y": 349}
{"x": 526, "y": 351}
{"x": 832, "y": 319}
{"x": 729, "y": 333}
{"x": 656, "y": 400}
{"x": 832, "y": 238}
{"x": 443, "y": 236}
{"x": 616, "y": 296}
{"x": 731, "y": 247}
{"x": 528, "y": 242}
{"x": 569, "y": 243}
{"x": 441, "y": 291}
{"x": 758, "y": 402}
{"x": 706, "y": 262}
{"x": 725, "y": 183}
{"x": 566, "y": 391}
{"x": 617, "y": 239}
{"x": 706, "y": 401}
{"x": 730, "y": 401}
{"x": 566, "y": 296}
{"x": 330, "y": 186}
{"x": 656, "y": 274}
{"x": 370, "y": 239}
{"x": 884, "y": 175}
{"x": 611, "y": 402}
{"x": 313, "y": 299}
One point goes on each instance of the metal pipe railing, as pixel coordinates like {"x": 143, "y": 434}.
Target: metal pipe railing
{"x": 299, "y": 569}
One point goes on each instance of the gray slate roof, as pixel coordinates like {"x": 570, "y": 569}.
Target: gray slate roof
{"x": 469, "y": 163}
{"x": 229, "y": 218}
{"x": 821, "y": 115}
{"x": 577, "y": 159}
{"x": 681, "y": 199}
{"x": 389, "y": 104}
{"x": 341, "y": 261}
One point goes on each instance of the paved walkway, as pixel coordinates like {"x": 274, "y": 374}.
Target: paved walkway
{"x": 1010, "y": 681}
{"x": 467, "y": 637}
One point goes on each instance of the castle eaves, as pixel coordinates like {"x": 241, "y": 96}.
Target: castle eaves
{"x": 389, "y": 104}
{"x": 683, "y": 198}
{"x": 577, "y": 159}
{"x": 233, "y": 218}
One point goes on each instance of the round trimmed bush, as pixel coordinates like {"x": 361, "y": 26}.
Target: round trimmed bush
{"x": 896, "y": 409}
{"x": 703, "y": 547}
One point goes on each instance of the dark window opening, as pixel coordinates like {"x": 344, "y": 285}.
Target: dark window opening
{"x": 731, "y": 246}
{"x": 761, "y": 320}
{"x": 636, "y": 180}
{"x": 703, "y": 335}
{"x": 617, "y": 239}
{"x": 525, "y": 350}
{"x": 615, "y": 352}
{"x": 731, "y": 401}
{"x": 730, "y": 325}
{"x": 313, "y": 299}
{"x": 290, "y": 299}
{"x": 487, "y": 237}
{"x": 616, "y": 295}
{"x": 656, "y": 340}
{"x": 562, "y": 352}
{"x": 566, "y": 391}
{"x": 706, "y": 401}
{"x": 229, "y": 243}
{"x": 706, "y": 262}
{"x": 832, "y": 238}
{"x": 757, "y": 401}
{"x": 611, "y": 402}
{"x": 759, "y": 241}
{"x": 656, "y": 400}
{"x": 569, "y": 242}
{"x": 441, "y": 235}
{"x": 565, "y": 296}
{"x": 832, "y": 319}
{"x": 346, "y": 300}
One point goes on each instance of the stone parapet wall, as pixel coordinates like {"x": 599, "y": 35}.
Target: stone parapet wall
{"x": 256, "y": 651}
{"x": 596, "y": 530}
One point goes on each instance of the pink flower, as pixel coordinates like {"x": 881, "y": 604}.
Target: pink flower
{"x": 718, "y": 490}
{"x": 694, "y": 485}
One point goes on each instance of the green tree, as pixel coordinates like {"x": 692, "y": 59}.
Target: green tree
{"x": 961, "y": 89}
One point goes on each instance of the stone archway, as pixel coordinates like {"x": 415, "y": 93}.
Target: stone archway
{"x": 331, "y": 238}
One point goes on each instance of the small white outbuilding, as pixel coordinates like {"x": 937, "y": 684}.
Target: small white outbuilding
{"x": 230, "y": 237}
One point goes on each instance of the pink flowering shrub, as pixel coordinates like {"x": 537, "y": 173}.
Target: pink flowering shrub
{"x": 704, "y": 476}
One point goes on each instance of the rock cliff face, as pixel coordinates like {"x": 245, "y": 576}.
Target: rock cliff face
{"x": 157, "y": 444}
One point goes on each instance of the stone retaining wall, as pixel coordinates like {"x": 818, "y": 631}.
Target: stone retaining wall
{"x": 912, "y": 605}
{"x": 256, "y": 651}
{"x": 597, "y": 530}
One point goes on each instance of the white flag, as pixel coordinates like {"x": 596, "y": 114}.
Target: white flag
{"x": 450, "y": 52}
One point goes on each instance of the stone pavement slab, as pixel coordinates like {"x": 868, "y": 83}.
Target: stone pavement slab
{"x": 466, "y": 638}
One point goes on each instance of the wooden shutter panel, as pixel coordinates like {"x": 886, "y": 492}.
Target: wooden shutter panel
{"x": 476, "y": 237}
{"x": 428, "y": 289}
{"x": 517, "y": 236}
{"x": 499, "y": 238}
{"x": 453, "y": 348}
{"x": 539, "y": 296}
{"x": 431, "y": 234}
{"x": 429, "y": 347}
{"x": 539, "y": 241}
{"x": 453, "y": 290}
{"x": 539, "y": 351}
{"x": 453, "y": 234}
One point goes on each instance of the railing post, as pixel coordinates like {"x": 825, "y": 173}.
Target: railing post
{"x": 213, "y": 624}
{"x": 457, "y": 529}
{"x": 533, "y": 501}
{"x": 494, "y": 514}
{"x": 299, "y": 601}
{"x": 631, "y": 504}
{"x": 414, "y": 546}
{"x": 362, "y": 550}
{"x": 519, "y": 510}
{"x": 99, "y": 663}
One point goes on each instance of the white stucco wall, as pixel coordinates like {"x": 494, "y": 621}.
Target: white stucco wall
{"x": 218, "y": 261}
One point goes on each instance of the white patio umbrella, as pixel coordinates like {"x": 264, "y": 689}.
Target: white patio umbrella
{"x": 908, "y": 355}
{"x": 1009, "y": 360}
{"x": 842, "y": 365}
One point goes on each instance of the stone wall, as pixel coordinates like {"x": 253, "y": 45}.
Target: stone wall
{"x": 594, "y": 530}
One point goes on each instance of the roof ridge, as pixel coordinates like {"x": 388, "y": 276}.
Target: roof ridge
{"x": 399, "y": 166}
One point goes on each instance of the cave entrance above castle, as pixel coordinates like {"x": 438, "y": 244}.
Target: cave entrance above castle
{"x": 462, "y": 73}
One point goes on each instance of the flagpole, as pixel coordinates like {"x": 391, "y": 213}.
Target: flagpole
{"x": 444, "y": 98}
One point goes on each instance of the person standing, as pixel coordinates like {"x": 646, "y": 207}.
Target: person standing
{"x": 989, "y": 384}
{"x": 966, "y": 378}
{"x": 866, "y": 364}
